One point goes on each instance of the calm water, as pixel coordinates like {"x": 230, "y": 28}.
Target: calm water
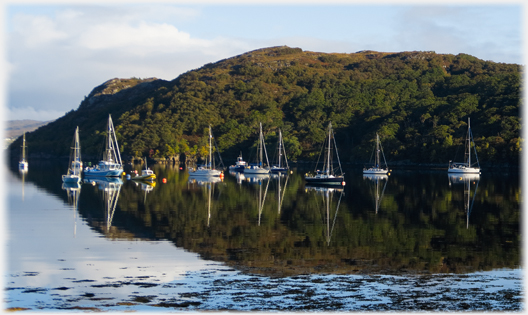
{"x": 416, "y": 240}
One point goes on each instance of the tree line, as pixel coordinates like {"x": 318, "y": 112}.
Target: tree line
{"x": 418, "y": 102}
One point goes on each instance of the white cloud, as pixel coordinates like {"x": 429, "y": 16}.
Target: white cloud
{"x": 162, "y": 37}
{"x": 37, "y": 30}
{"x": 58, "y": 58}
{"x": 60, "y": 53}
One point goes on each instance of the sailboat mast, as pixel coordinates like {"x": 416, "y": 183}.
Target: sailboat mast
{"x": 280, "y": 148}
{"x": 260, "y": 146}
{"x": 469, "y": 143}
{"x": 377, "y": 151}
{"x": 210, "y": 149}
{"x": 328, "y": 155}
{"x": 77, "y": 154}
{"x": 109, "y": 136}
{"x": 24, "y": 147}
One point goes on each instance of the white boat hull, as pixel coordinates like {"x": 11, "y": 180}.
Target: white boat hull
{"x": 325, "y": 180}
{"x": 256, "y": 170}
{"x": 205, "y": 172}
{"x": 464, "y": 170}
{"x": 104, "y": 173}
{"x": 379, "y": 171}
{"x": 23, "y": 165}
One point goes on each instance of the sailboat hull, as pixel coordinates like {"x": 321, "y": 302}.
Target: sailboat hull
{"x": 333, "y": 180}
{"x": 373, "y": 170}
{"x": 205, "y": 172}
{"x": 23, "y": 166}
{"x": 464, "y": 170}
{"x": 256, "y": 170}
{"x": 275, "y": 169}
{"x": 103, "y": 173}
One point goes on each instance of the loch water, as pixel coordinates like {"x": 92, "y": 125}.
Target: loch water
{"x": 415, "y": 240}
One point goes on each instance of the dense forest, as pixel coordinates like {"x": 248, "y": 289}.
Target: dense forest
{"x": 418, "y": 102}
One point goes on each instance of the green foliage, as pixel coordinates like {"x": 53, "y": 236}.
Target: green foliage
{"x": 418, "y": 102}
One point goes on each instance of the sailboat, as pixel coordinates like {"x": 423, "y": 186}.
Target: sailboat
{"x": 207, "y": 169}
{"x": 75, "y": 166}
{"x": 329, "y": 175}
{"x": 111, "y": 164}
{"x": 467, "y": 167}
{"x": 259, "y": 168}
{"x": 467, "y": 180}
{"x": 23, "y": 164}
{"x": 280, "y": 167}
{"x": 377, "y": 168}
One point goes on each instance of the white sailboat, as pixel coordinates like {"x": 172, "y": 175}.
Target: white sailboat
{"x": 259, "y": 167}
{"x": 23, "y": 164}
{"x": 466, "y": 167}
{"x": 111, "y": 164}
{"x": 281, "y": 154}
{"x": 377, "y": 167}
{"x": 329, "y": 175}
{"x": 75, "y": 166}
{"x": 207, "y": 169}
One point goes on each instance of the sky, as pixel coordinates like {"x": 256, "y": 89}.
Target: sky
{"x": 55, "y": 53}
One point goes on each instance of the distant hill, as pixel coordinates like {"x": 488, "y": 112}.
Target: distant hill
{"x": 418, "y": 102}
{"x": 15, "y": 128}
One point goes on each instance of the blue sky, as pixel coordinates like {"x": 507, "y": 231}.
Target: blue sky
{"x": 56, "y": 54}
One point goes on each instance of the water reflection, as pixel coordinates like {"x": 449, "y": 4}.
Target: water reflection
{"x": 23, "y": 172}
{"x": 278, "y": 178}
{"x": 73, "y": 191}
{"x": 110, "y": 186}
{"x": 327, "y": 195}
{"x": 377, "y": 190}
{"x": 468, "y": 181}
{"x": 283, "y": 226}
{"x": 208, "y": 184}
{"x": 260, "y": 179}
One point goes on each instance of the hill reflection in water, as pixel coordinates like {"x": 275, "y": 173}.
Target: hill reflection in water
{"x": 409, "y": 222}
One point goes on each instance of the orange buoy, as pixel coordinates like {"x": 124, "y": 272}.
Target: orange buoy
{"x": 343, "y": 183}
{"x": 164, "y": 180}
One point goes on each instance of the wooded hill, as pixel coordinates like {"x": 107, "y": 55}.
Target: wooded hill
{"x": 418, "y": 102}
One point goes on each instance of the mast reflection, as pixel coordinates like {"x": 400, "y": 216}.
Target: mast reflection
{"x": 328, "y": 193}
{"x": 207, "y": 182}
{"x": 469, "y": 199}
{"x": 111, "y": 186}
{"x": 378, "y": 191}
{"x": 73, "y": 190}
